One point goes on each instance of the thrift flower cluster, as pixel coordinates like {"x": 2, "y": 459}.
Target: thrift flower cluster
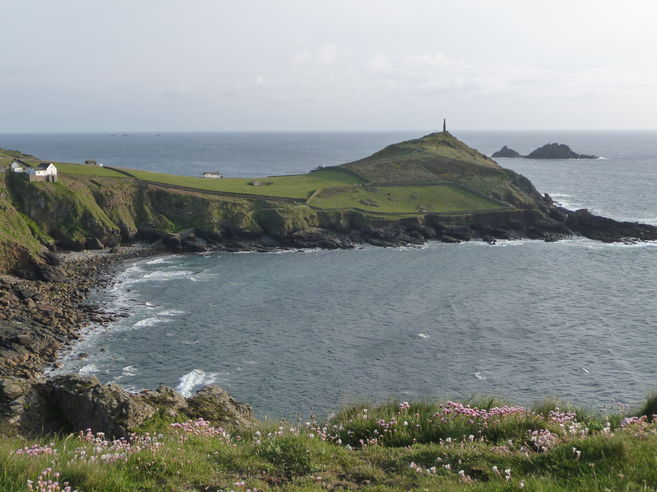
{"x": 48, "y": 481}
{"x": 110, "y": 451}
{"x": 200, "y": 427}
{"x": 37, "y": 450}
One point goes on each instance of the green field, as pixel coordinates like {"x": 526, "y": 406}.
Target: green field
{"x": 294, "y": 186}
{"x": 437, "y": 198}
{"x": 433, "y": 174}
{"x": 83, "y": 170}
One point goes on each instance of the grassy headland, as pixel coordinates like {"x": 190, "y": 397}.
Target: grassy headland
{"x": 90, "y": 205}
{"x": 394, "y": 446}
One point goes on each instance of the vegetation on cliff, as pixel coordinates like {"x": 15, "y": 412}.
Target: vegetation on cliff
{"x": 484, "y": 445}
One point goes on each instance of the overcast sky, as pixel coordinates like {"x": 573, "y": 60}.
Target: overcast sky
{"x": 146, "y": 65}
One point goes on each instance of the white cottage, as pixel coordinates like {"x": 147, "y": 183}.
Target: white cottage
{"x": 46, "y": 171}
{"x": 212, "y": 174}
{"x": 18, "y": 166}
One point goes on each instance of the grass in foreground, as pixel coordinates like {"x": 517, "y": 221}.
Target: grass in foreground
{"x": 437, "y": 198}
{"x": 417, "y": 446}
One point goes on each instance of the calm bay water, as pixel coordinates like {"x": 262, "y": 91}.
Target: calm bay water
{"x": 302, "y": 332}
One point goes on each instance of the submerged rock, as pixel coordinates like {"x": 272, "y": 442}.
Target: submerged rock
{"x": 557, "y": 151}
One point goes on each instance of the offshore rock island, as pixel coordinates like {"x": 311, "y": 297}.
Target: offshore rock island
{"x": 59, "y": 238}
{"x": 547, "y": 151}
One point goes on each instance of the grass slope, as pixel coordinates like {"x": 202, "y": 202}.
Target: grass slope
{"x": 83, "y": 170}
{"x": 294, "y": 186}
{"x": 434, "y": 156}
{"x": 439, "y": 198}
{"x": 485, "y": 446}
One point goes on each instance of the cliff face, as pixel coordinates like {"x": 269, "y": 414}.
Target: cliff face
{"x": 81, "y": 212}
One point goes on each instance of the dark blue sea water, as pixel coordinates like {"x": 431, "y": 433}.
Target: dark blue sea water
{"x": 301, "y": 332}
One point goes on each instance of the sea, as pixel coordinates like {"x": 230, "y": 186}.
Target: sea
{"x": 304, "y": 332}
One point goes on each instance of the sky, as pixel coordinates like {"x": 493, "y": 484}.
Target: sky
{"x": 326, "y": 65}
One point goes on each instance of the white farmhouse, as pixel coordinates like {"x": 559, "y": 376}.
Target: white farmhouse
{"x": 18, "y": 166}
{"x": 212, "y": 174}
{"x": 46, "y": 171}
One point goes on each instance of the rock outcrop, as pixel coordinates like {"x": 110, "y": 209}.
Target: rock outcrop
{"x": 506, "y": 152}
{"x": 557, "y": 151}
{"x": 76, "y": 402}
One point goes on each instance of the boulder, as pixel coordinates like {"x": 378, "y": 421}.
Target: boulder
{"x": 24, "y": 339}
{"x": 75, "y": 402}
{"x": 11, "y": 389}
{"x": 50, "y": 273}
{"x": 214, "y": 404}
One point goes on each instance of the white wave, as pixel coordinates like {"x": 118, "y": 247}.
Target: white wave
{"x": 195, "y": 378}
{"x": 582, "y": 242}
{"x": 131, "y": 388}
{"x": 171, "y": 312}
{"x": 568, "y": 205}
{"x": 88, "y": 369}
{"x": 129, "y": 371}
{"x": 412, "y": 247}
{"x": 564, "y": 200}
{"x": 514, "y": 242}
{"x": 162, "y": 259}
{"x": 152, "y": 321}
{"x": 423, "y": 335}
{"x": 168, "y": 275}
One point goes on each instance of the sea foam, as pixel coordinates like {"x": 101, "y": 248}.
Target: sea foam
{"x": 195, "y": 378}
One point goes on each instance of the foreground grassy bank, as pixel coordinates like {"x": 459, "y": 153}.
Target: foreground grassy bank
{"x": 395, "y": 446}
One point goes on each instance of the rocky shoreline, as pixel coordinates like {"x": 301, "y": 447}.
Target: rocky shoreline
{"x": 44, "y": 313}
{"x": 39, "y": 317}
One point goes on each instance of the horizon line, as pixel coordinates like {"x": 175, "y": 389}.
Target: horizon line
{"x": 495, "y": 130}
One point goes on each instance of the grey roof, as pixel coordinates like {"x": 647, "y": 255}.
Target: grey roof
{"x": 44, "y": 165}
